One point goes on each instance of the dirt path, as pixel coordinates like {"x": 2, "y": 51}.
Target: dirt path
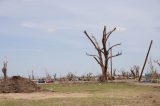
{"x": 41, "y": 95}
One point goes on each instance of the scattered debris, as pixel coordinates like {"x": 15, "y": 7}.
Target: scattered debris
{"x": 17, "y": 84}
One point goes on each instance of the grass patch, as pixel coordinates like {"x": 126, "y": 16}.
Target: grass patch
{"x": 104, "y": 94}
{"x": 96, "y": 87}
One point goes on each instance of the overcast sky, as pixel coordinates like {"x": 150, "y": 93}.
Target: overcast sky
{"x": 47, "y": 35}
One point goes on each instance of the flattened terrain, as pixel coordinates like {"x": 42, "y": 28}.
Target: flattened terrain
{"x": 41, "y": 95}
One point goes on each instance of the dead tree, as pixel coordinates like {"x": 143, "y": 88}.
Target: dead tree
{"x": 136, "y": 68}
{"x": 4, "y": 70}
{"x": 103, "y": 53}
{"x": 135, "y": 71}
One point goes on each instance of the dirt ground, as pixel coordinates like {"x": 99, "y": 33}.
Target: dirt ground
{"x": 41, "y": 95}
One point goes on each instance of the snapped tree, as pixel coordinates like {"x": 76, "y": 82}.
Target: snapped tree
{"x": 103, "y": 54}
{"x": 4, "y": 70}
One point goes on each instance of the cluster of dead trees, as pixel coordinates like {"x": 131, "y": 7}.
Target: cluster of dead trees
{"x": 104, "y": 54}
{"x": 72, "y": 77}
{"x": 133, "y": 73}
{"x": 152, "y": 74}
{"x": 103, "y": 58}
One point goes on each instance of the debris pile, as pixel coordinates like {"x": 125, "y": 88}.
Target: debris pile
{"x": 17, "y": 84}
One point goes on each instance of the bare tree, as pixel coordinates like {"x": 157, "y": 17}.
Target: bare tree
{"x": 4, "y": 69}
{"x": 103, "y": 53}
{"x": 135, "y": 71}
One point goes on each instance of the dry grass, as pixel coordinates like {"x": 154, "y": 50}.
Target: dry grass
{"x": 100, "y": 94}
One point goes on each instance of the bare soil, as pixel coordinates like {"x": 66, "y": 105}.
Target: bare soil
{"x": 41, "y": 95}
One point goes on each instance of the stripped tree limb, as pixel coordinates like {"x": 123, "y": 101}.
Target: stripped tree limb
{"x": 96, "y": 43}
{"x": 95, "y": 57}
{"x": 109, "y": 33}
{"x": 90, "y": 39}
{"x": 114, "y": 46}
{"x": 98, "y": 61}
{"x": 91, "y": 55}
{"x": 118, "y": 54}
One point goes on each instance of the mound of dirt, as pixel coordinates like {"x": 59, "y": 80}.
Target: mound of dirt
{"x": 17, "y": 84}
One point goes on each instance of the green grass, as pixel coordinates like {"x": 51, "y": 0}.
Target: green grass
{"x": 104, "y": 94}
{"x": 97, "y": 87}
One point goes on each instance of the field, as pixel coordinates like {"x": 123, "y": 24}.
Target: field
{"x": 87, "y": 94}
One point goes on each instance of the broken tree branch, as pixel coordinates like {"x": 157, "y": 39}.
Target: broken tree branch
{"x": 98, "y": 61}
{"x": 91, "y": 55}
{"x": 96, "y": 43}
{"x": 90, "y": 39}
{"x": 114, "y": 46}
{"x": 118, "y": 54}
{"x": 109, "y": 33}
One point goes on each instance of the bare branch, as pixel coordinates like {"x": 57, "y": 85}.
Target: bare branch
{"x": 96, "y": 43}
{"x": 90, "y": 39}
{"x": 114, "y": 46}
{"x": 104, "y": 35}
{"x": 109, "y": 33}
{"x": 91, "y": 55}
{"x": 118, "y": 54}
{"x": 95, "y": 57}
{"x": 98, "y": 61}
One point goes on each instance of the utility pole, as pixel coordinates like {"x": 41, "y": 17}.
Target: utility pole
{"x": 145, "y": 60}
{"x": 111, "y": 64}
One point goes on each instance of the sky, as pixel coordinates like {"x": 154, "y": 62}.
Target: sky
{"x": 47, "y": 35}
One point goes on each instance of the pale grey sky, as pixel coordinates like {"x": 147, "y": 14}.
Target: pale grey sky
{"x": 48, "y": 35}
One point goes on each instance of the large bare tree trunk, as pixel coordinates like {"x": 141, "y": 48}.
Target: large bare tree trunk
{"x": 103, "y": 56}
{"x": 104, "y": 75}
